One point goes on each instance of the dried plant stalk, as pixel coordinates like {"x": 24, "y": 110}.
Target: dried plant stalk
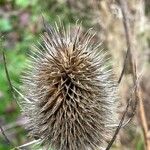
{"x": 143, "y": 120}
{"x": 138, "y": 93}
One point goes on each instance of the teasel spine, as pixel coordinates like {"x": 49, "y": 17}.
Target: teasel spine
{"x": 71, "y": 95}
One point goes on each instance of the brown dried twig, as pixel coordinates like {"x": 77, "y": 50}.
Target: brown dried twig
{"x": 1, "y": 129}
{"x": 5, "y": 136}
{"x": 124, "y": 9}
{"x": 128, "y": 36}
{"x": 13, "y": 94}
{"x": 123, "y": 118}
{"x": 143, "y": 120}
{"x": 7, "y": 75}
{"x": 123, "y": 4}
{"x": 124, "y": 66}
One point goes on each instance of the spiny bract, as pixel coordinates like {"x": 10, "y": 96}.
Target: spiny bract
{"x": 71, "y": 95}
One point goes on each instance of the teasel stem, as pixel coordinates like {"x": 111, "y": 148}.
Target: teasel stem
{"x": 11, "y": 89}
{"x": 127, "y": 28}
{"x": 124, "y": 9}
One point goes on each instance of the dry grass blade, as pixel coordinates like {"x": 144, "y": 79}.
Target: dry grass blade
{"x": 26, "y": 145}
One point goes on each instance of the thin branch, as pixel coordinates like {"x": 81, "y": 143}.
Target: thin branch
{"x": 2, "y": 131}
{"x": 124, "y": 9}
{"x": 143, "y": 120}
{"x": 7, "y": 75}
{"x": 126, "y": 23}
{"x": 12, "y": 92}
{"x": 138, "y": 93}
{"x": 119, "y": 126}
{"x": 123, "y": 118}
{"x": 5, "y": 136}
{"x": 7, "y": 140}
{"x": 124, "y": 66}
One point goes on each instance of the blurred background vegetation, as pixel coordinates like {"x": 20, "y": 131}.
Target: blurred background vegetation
{"x": 21, "y": 26}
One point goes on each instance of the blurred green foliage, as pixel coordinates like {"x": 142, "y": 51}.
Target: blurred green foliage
{"x": 5, "y": 25}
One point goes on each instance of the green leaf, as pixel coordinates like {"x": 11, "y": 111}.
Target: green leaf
{"x": 25, "y": 3}
{"x": 5, "y": 25}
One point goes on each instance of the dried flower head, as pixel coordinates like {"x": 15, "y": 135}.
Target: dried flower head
{"x": 71, "y": 95}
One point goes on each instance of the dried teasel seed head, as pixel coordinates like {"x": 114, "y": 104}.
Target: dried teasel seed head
{"x": 71, "y": 95}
